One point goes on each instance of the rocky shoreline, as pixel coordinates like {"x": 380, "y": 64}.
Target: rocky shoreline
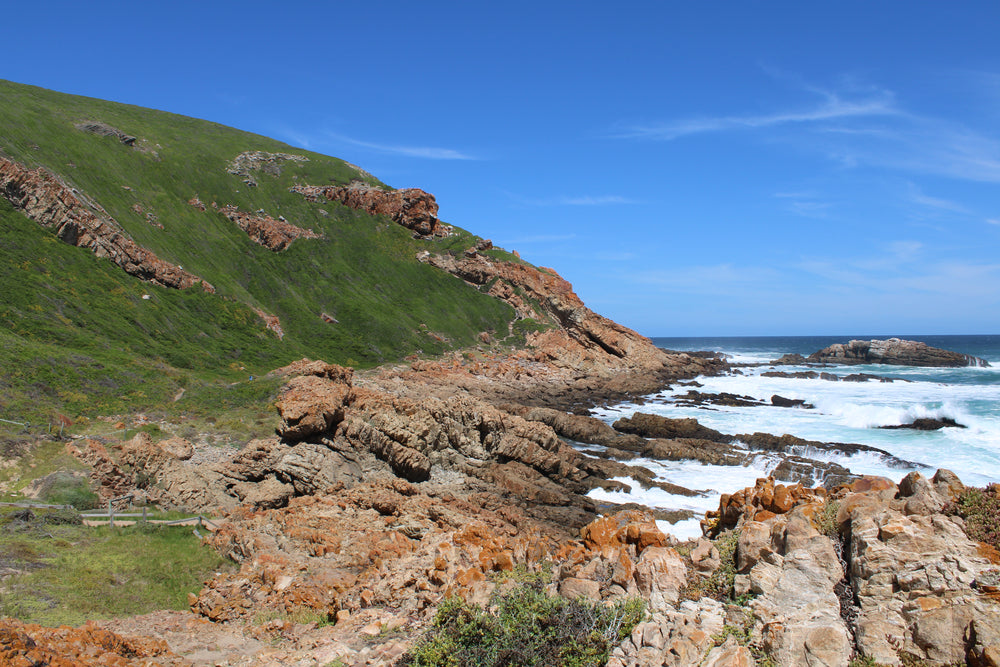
{"x": 385, "y": 493}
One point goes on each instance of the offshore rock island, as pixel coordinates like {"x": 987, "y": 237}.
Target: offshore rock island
{"x": 395, "y": 423}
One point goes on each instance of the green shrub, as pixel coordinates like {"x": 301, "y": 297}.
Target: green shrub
{"x": 981, "y": 510}
{"x": 525, "y": 626}
{"x": 719, "y": 585}
{"x": 826, "y": 518}
{"x": 65, "y": 488}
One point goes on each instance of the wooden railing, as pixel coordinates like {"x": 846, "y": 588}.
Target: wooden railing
{"x": 97, "y": 519}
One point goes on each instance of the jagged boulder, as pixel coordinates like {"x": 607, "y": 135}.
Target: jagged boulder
{"x": 411, "y": 207}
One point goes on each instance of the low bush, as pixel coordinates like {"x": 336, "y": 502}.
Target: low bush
{"x": 981, "y": 510}
{"x": 718, "y": 585}
{"x": 65, "y": 488}
{"x": 525, "y": 626}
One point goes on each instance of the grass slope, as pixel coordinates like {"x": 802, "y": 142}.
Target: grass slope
{"x": 65, "y": 573}
{"x": 76, "y": 333}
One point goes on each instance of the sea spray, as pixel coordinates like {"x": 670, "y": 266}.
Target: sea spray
{"x": 846, "y": 412}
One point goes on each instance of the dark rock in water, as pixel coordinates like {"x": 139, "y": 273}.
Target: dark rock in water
{"x": 790, "y": 360}
{"x": 813, "y": 375}
{"x": 725, "y": 398}
{"x": 790, "y": 444}
{"x": 894, "y": 351}
{"x": 808, "y": 472}
{"x": 928, "y": 424}
{"x": 655, "y": 426}
{"x": 686, "y": 439}
{"x": 798, "y": 375}
{"x": 782, "y": 402}
{"x": 865, "y": 377}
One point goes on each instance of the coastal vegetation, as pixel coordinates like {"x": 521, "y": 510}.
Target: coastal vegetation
{"x": 59, "y": 571}
{"x": 524, "y": 625}
{"x": 79, "y": 336}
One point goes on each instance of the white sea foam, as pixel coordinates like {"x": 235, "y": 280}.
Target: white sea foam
{"x": 847, "y": 412}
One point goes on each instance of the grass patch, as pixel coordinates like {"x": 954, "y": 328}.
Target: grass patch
{"x": 525, "y": 626}
{"x": 68, "y": 573}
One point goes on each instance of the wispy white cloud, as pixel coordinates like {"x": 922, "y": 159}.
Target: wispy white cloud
{"x": 993, "y": 221}
{"x": 916, "y": 196}
{"x": 718, "y": 279}
{"x": 832, "y": 107}
{"x": 425, "y": 152}
{"x": 916, "y": 144}
{"x": 856, "y": 126}
{"x": 807, "y": 204}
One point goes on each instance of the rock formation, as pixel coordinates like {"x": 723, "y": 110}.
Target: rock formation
{"x": 264, "y": 230}
{"x": 893, "y": 351}
{"x": 54, "y": 205}
{"x": 411, "y": 207}
{"x": 104, "y": 130}
{"x": 250, "y": 161}
{"x": 577, "y": 338}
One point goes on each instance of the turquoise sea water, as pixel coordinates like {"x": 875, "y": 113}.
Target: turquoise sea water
{"x": 844, "y": 412}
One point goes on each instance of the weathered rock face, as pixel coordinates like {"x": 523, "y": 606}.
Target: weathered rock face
{"x": 30, "y": 644}
{"x": 411, "y": 207}
{"x": 52, "y": 204}
{"x": 584, "y": 341}
{"x": 264, "y": 230}
{"x": 891, "y": 578}
{"x": 893, "y": 351}
{"x": 918, "y": 579}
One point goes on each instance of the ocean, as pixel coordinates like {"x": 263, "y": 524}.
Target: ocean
{"x": 848, "y": 412}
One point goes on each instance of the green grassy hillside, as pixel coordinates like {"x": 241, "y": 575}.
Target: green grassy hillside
{"x": 77, "y": 334}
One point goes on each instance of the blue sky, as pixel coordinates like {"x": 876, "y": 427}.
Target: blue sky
{"x": 743, "y": 168}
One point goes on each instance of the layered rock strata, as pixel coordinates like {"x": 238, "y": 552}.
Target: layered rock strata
{"x": 333, "y": 433}
{"x": 579, "y": 339}
{"x": 275, "y": 235}
{"x": 411, "y": 207}
{"x": 52, "y": 204}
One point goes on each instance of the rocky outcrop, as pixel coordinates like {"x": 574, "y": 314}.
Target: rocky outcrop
{"x": 893, "y": 351}
{"x": 873, "y": 569}
{"x": 31, "y": 644}
{"x": 244, "y": 164}
{"x": 927, "y": 424}
{"x": 411, "y": 207}
{"x": 577, "y": 338}
{"x": 333, "y": 433}
{"x": 102, "y": 129}
{"x": 54, "y": 205}
{"x": 275, "y": 235}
